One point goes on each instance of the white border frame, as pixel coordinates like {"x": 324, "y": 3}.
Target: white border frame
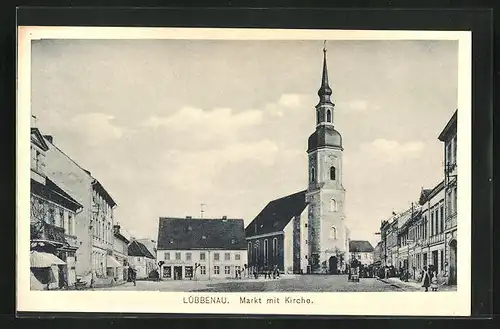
{"x": 455, "y": 303}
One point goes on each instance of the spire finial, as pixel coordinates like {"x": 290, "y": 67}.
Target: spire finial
{"x": 324, "y": 91}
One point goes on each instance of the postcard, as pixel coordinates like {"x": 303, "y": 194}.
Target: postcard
{"x": 244, "y": 171}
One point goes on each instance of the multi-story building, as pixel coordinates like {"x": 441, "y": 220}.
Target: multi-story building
{"x": 449, "y": 137}
{"x": 103, "y": 262}
{"x": 361, "y": 250}
{"x": 378, "y": 254}
{"x": 141, "y": 259}
{"x": 432, "y": 246}
{"x": 93, "y": 224}
{"x": 194, "y": 248}
{"x": 120, "y": 253}
{"x": 52, "y": 220}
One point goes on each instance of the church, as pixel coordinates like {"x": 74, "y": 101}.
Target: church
{"x": 306, "y": 232}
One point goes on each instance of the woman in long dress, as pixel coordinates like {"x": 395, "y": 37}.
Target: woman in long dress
{"x": 426, "y": 279}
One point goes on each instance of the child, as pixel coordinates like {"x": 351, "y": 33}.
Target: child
{"x": 434, "y": 282}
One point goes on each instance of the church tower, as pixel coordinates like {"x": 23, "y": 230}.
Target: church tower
{"x": 325, "y": 195}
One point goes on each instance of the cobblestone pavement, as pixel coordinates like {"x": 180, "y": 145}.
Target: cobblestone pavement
{"x": 309, "y": 283}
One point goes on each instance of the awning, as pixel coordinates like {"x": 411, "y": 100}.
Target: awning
{"x": 112, "y": 262}
{"x": 44, "y": 259}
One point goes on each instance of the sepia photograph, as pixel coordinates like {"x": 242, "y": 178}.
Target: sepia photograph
{"x": 311, "y": 163}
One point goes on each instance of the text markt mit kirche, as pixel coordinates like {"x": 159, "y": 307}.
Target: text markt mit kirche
{"x": 247, "y": 300}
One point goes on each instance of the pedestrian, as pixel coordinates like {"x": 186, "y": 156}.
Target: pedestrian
{"x": 426, "y": 279}
{"x": 434, "y": 281}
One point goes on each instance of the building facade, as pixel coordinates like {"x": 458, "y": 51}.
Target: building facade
{"x": 201, "y": 249}
{"x": 120, "y": 253}
{"x": 94, "y": 223}
{"x": 362, "y": 250}
{"x": 52, "y": 220}
{"x": 449, "y": 137}
{"x": 277, "y": 237}
{"x": 140, "y": 259}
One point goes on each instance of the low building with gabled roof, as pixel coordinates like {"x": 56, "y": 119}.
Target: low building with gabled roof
{"x": 196, "y": 248}
{"x": 362, "y": 250}
{"x": 141, "y": 259}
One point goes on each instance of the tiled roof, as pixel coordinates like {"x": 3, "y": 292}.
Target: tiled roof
{"x": 360, "y": 246}
{"x": 51, "y": 191}
{"x": 137, "y": 249}
{"x": 277, "y": 214}
{"x": 196, "y": 233}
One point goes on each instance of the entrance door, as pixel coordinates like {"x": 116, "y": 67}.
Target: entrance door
{"x": 177, "y": 272}
{"x": 435, "y": 261}
{"x": 332, "y": 265}
{"x": 453, "y": 262}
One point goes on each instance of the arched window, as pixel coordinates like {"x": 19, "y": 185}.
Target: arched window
{"x": 332, "y": 173}
{"x": 333, "y": 205}
{"x": 275, "y": 247}
{"x": 313, "y": 175}
{"x": 333, "y": 232}
{"x": 266, "y": 251}
{"x": 328, "y": 116}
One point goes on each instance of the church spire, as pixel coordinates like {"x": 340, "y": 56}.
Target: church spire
{"x": 324, "y": 91}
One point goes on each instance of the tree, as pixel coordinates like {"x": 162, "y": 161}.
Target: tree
{"x": 38, "y": 214}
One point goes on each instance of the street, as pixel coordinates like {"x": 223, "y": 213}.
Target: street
{"x": 306, "y": 283}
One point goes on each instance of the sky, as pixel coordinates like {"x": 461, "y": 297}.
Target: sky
{"x": 166, "y": 125}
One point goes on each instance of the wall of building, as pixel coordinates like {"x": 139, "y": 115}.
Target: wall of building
{"x": 260, "y": 259}
{"x": 365, "y": 258}
{"x": 288, "y": 242}
{"x": 77, "y": 183}
{"x": 142, "y": 265}
{"x": 211, "y": 266}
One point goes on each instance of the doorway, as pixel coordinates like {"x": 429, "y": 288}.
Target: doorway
{"x": 332, "y": 265}
{"x": 177, "y": 272}
{"x": 453, "y": 262}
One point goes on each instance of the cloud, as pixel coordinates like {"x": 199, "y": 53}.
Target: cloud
{"x": 218, "y": 122}
{"x": 285, "y": 103}
{"x": 392, "y": 151}
{"x": 197, "y": 170}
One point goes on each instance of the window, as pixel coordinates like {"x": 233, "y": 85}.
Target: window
{"x": 442, "y": 261}
{"x": 216, "y": 256}
{"x": 237, "y": 268}
{"x": 202, "y": 256}
{"x": 454, "y": 200}
{"x": 441, "y": 218}
{"x": 333, "y": 232}
{"x": 216, "y": 269}
{"x": 227, "y": 256}
{"x": 328, "y": 116}
{"x": 70, "y": 224}
{"x": 275, "y": 247}
{"x": 306, "y": 242}
{"x": 265, "y": 251}
{"x": 227, "y": 270}
{"x": 448, "y": 153}
{"x": 332, "y": 173}
{"x": 454, "y": 148}
{"x": 52, "y": 218}
{"x": 167, "y": 272}
{"x": 203, "y": 270}
{"x": 305, "y": 225}
{"x": 249, "y": 250}
{"x": 188, "y": 256}
{"x": 436, "y": 231}
{"x": 177, "y": 256}
{"x": 313, "y": 175}
{"x": 237, "y": 257}
{"x": 333, "y": 205}
{"x": 138, "y": 259}
{"x": 167, "y": 256}
{"x": 318, "y": 119}
{"x": 432, "y": 223}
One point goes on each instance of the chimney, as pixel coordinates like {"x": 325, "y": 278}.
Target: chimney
{"x": 50, "y": 138}
{"x": 224, "y": 217}
{"x": 189, "y": 217}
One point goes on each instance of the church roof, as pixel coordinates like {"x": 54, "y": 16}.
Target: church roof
{"x": 324, "y": 136}
{"x": 277, "y": 214}
{"x": 360, "y": 246}
{"x": 197, "y": 233}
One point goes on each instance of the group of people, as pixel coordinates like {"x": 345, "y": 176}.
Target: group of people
{"x": 429, "y": 279}
{"x": 427, "y": 276}
{"x": 268, "y": 273}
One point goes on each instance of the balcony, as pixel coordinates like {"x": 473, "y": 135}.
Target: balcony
{"x": 41, "y": 230}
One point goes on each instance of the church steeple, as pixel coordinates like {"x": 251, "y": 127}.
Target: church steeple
{"x": 324, "y": 91}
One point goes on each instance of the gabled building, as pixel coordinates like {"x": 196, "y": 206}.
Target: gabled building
{"x": 141, "y": 259}
{"x": 52, "y": 221}
{"x": 278, "y": 236}
{"x": 195, "y": 248}
{"x": 120, "y": 253}
{"x": 361, "y": 250}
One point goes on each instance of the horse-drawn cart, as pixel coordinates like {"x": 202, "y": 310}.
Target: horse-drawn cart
{"x": 353, "y": 275}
